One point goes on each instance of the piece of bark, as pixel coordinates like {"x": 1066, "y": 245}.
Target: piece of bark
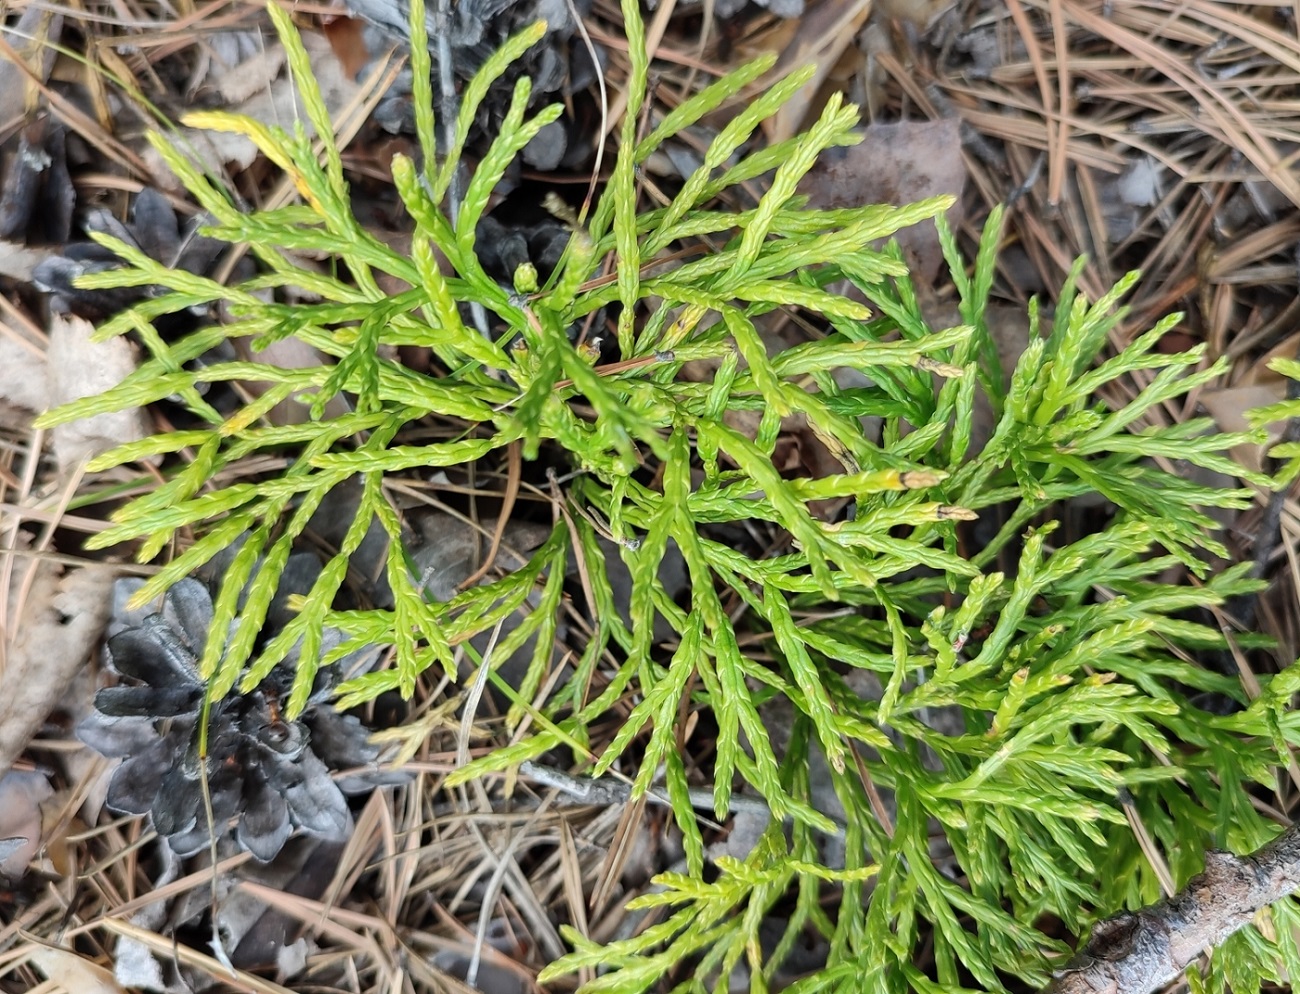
{"x": 1139, "y": 952}
{"x": 51, "y": 633}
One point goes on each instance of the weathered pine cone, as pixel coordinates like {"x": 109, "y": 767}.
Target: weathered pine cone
{"x": 154, "y": 230}
{"x": 559, "y": 66}
{"x": 267, "y": 776}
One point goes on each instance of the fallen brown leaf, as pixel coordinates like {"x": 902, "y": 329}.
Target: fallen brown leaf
{"x": 896, "y": 164}
{"x": 72, "y": 973}
{"x": 54, "y": 620}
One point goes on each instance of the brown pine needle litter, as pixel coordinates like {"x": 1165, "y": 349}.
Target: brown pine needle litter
{"x": 1160, "y": 136}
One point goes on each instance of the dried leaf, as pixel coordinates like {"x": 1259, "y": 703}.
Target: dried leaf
{"x": 896, "y": 164}
{"x": 71, "y": 972}
{"x": 240, "y": 82}
{"x": 79, "y": 367}
{"x": 1228, "y": 407}
{"x": 22, "y": 369}
{"x": 17, "y": 262}
{"x": 346, "y": 36}
{"x": 53, "y": 631}
{"x": 276, "y": 101}
{"x": 21, "y": 794}
{"x": 920, "y": 13}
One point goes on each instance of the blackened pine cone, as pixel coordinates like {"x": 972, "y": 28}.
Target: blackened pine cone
{"x": 559, "y": 66}
{"x": 154, "y": 229}
{"x": 266, "y": 774}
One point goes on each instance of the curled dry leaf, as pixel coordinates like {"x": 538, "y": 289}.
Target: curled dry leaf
{"x": 51, "y": 633}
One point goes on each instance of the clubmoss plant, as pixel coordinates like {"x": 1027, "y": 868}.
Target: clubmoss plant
{"x": 1068, "y": 661}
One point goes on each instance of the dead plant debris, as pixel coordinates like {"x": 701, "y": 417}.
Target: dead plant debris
{"x": 1142, "y": 133}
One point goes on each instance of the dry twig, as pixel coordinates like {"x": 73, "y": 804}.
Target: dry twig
{"x": 1134, "y": 953}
